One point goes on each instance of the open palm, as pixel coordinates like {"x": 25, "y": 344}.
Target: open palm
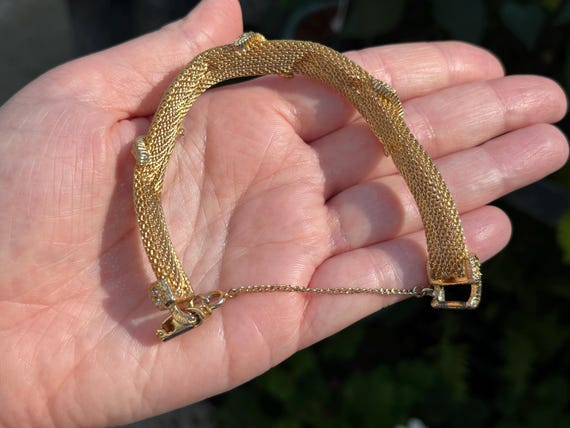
{"x": 274, "y": 181}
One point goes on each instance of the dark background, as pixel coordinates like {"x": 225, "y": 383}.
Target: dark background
{"x": 506, "y": 364}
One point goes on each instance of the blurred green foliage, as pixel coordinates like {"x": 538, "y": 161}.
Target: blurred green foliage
{"x": 506, "y": 364}
{"x": 526, "y": 21}
{"x": 463, "y": 19}
{"x": 564, "y": 237}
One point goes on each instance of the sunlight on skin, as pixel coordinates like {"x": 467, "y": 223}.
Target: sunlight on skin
{"x": 274, "y": 181}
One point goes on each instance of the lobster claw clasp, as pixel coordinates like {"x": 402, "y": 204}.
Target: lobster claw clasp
{"x": 181, "y": 319}
{"x": 472, "y": 277}
{"x": 183, "y": 315}
{"x": 186, "y": 312}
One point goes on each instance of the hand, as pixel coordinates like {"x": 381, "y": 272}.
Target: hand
{"x": 275, "y": 181}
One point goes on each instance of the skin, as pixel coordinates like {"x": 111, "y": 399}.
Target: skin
{"x": 275, "y": 181}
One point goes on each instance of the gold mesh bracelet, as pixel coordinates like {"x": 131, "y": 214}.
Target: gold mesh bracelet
{"x": 449, "y": 262}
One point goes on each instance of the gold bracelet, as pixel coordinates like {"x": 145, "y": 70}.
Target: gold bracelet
{"x": 449, "y": 262}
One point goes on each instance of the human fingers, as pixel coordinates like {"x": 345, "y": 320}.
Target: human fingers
{"x": 384, "y": 208}
{"x": 414, "y": 69}
{"x": 397, "y": 263}
{"x": 131, "y": 77}
{"x": 444, "y": 122}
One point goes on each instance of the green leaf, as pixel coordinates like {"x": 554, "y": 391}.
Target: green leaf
{"x": 551, "y": 5}
{"x": 563, "y": 236}
{"x": 454, "y": 369}
{"x": 564, "y": 14}
{"x": 567, "y": 66}
{"x": 549, "y": 399}
{"x": 520, "y": 355}
{"x": 524, "y": 20}
{"x": 279, "y": 384}
{"x": 302, "y": 363}
{"x": 344, "y": 345}
{"x": 462, "y": 19}
{"x": 370, "y": 18}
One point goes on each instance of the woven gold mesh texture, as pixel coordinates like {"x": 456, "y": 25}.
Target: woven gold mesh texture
{"x": 378, "y": 103}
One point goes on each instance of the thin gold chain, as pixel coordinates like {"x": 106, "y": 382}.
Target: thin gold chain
{"x": 449, "y": 261}
{"x": 287, "y": 288}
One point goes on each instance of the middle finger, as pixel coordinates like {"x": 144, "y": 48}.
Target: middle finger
{"x": 444, "y": 122}
{"x": 384, "y": 208}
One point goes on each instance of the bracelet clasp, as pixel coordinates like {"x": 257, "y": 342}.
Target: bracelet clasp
{"x": 185, "y": 314}
{"x": 472, "y": 277}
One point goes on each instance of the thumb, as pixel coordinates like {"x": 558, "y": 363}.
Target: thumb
{"x": 132, "y": 77}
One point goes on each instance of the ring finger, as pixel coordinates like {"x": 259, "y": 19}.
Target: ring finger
{"x": 384, "y": 208}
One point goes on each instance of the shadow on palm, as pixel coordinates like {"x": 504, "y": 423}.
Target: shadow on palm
{"x": 246, "y": 204}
